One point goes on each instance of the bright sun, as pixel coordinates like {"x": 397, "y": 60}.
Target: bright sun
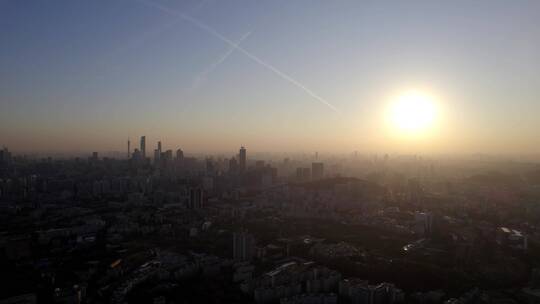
{"x": 413, "y": 112}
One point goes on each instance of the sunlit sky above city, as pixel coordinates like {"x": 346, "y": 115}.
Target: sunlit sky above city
{"x": 273, "y": 75}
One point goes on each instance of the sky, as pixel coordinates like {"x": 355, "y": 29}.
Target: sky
{"x": 208, "y": 75}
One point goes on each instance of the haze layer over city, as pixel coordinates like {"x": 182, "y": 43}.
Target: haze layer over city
{"x": 291, "y": 152}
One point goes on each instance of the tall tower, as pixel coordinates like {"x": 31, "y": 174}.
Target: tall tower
{"x": 242, "y": 159}
{"x": 143, "y": 146}
{"x": 157, "y": 157}
{"x": 157, "y": 153}
{"x": 129, "y": 149}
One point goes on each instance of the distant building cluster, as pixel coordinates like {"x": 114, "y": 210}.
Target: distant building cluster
{"x": 173, "y": 227}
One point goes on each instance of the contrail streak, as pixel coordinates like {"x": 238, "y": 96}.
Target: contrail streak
{"x": 221, "y": 37}
{"x": 202, "y": 76}
{"x": 150, "y": 33}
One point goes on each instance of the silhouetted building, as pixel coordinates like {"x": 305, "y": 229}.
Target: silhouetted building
{"x": 233, "y": 165}
{"x": 157, "y": 156}
{"x": 242, "y": 159}
{"x": 423, "y": 222}
{"x": 166, "y": 158}
{"x": 143, "y": 146}
{"x": 179, "y": 155}
{"x": 243, "y": 246}
{"x": 303, "y": 174}
{"x": 195, "y": 198}
{"x": 5, "y": 156}
{"x": 137, "y": 155}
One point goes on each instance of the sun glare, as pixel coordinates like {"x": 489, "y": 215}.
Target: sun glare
{"x": 413, "y": 112}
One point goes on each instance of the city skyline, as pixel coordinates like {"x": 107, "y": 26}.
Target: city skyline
{"x": 279, "y": 76}
{"x": 270, "y": 152}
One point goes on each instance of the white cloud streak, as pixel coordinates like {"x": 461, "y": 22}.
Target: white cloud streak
{"x": 201, "y": 77}
{"x": 226, "y": 40}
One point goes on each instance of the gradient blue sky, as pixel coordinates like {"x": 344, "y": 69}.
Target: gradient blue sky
{"x": 85, "y": 75}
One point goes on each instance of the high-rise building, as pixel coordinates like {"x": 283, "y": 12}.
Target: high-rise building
{"x": 423, "y": 223}
{"x": 242, "y": 159}
{"x": 317, "y": 171}
{"x": 143, "y": 146}
{"x": 243, "y": 246}
{"x": 303, "y": 174}
{"x": 5, "y": 156}
{"x": 137, "y": 156}
{"x": 129, "y": 149}
{"x": 167, "y": 158}
{"x": 233, "y": 165}
{"x": 299, "y": 174}
{"x": 195, "y": 198}
{"x": 179, "y": 155}
{"x": 157, "y": 156}
{"x": 167, "y": 155}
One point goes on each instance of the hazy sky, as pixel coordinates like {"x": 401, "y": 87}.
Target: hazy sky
{"x": 85, "y": 75}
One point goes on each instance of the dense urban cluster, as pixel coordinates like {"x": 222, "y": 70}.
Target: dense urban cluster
{"x": 170, "y": 227}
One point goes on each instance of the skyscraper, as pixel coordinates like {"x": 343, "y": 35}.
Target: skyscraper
{"x": 233, "y": 165}
{"x": 423, "y": 223}
{"x": 129, "y": 149}
{"x": 167, "y": 158}
{"x": 303, "y": 174}
{"x": 5, "y": 156}
{"x": 243, "y": 246}
{"x": 137, "y": 156}
{"x": 143, "y": 146}
{"x": 157, "y": 154}
{"x": 242, "y": 159}
{"x": 179, "y": 155}
{"x": 195, "y": 198}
